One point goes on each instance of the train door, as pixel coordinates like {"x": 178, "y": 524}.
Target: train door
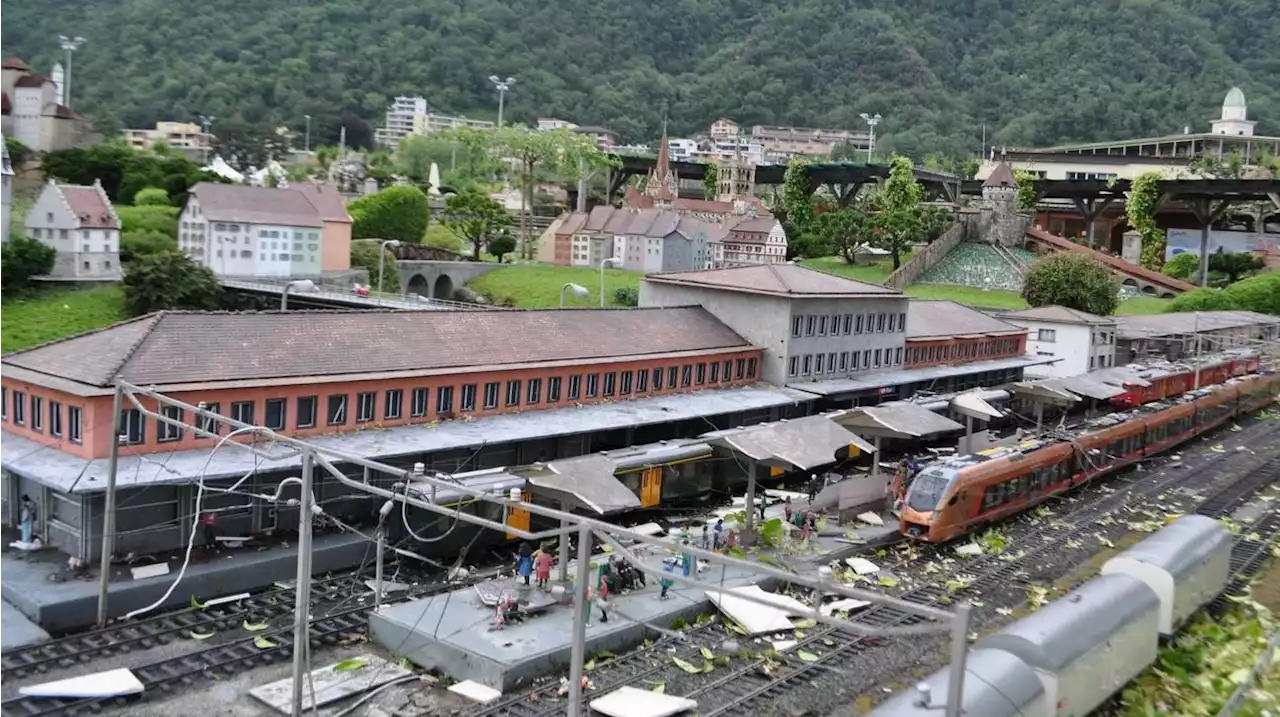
{"x": 651, "y": 487}
{"x": 518, "y": 518}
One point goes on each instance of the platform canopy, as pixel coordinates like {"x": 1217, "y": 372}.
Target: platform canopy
{"x": 972, "y": 404}
{"x": 1068, "y": 390}
{"x": 897, "y": 419}
{"x": 798, "y": 443}
{"x": 586, "y": 480}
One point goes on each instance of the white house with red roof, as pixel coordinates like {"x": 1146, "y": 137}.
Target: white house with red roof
{"x": 81, "y": 224}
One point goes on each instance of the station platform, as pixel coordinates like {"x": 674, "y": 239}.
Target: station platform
{"x": 453, "y": 632}
{"x": 31, "y": 581}
{"x": 16, "y": 630}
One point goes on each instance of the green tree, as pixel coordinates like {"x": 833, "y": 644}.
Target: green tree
{"x": 364, "y": 254}
{"x": 1140, "y": 209}
{"x": 18, "y": 152}
{"x": 1234, "y": 267}
{"x": 398, "y": 212}
{"x": 148, "y": 242}
{"x": 561, "y": 153}
{"x": 844, "y": 231}
{"x": 709, "y": 180}
{"x": 502, "y": 244}
{"x": 1026, "y": 189}
{"x": 169, "y": 281}
{"x": 1073, "y": 280}
{"x": 22, "y": 259}
{"x": 149, "y": 219}
{"x": 1204, "y": 299}
{"x": 475, "y": 218}
{"x": 125, "y": 171}
{"x": 1182, "y": 266}
{"x": 151, "y": 197}
{"x": 900, "y": 220}
{"x": 1257, "y": 293}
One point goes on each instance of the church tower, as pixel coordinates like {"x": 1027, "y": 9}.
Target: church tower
{"x": 5, "y": 191}
{"x": 662, "y": 184}
{"x": 736, "y": 176}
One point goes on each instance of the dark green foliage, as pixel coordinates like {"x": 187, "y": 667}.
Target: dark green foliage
{"x": 1234, "y": 267}
{"x": 151, "y": 197}
{"x": 1074, "y": 281}
{"x": 24, "y": 258}
{"x": 1202, "y": 300}
{"x": 169, "y": 280}
{"x": 1034, "y": 72}
{"x": 627, "y": 296}
{"x": 148, "y": 242}
{"x": 125, "y": 171}
{"x": 149, "y": 219}
{"x": 1182, "y": 266}
{"x": 18, "y": 152}
{"x": 364, "y": 253}
{"x": 844, "y": 231}
{"x": 399, "y": 212}
{"x": 502, "y": 245}
{"x": 476, "y": 219}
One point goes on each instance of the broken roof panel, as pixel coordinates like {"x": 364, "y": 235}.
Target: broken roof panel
{"x": 972, "y": 404}
{"x": 586, "y": 480}
{"x": 801, "y": 443}
{"x": 896, "y": 420}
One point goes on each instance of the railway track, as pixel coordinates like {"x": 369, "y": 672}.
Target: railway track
{"x": 653, "y": 663}
{"x": 333, "y": 624}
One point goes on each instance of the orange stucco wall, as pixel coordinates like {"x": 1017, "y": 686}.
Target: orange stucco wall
{"x": 97, "y": 411}
{"x": 961, "y": 351}
{"x": 335, "y": 243}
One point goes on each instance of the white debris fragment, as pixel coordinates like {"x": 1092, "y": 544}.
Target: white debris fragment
{"x": 112, "y": 683}
{"x": 845, "y": 605}
{"x": 969, "y": 550}
{"x": 475, "y": 691}
{"x": 862, "y": 566}
{"x": 784, "y": 645}
{"x": 871, "y": 518}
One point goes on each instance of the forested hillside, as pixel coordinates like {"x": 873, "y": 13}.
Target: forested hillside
{"x": 1033, "y": 71}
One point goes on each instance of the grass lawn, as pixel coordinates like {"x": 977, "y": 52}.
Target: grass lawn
{"x": 1143, "y": 305}
{"x": 531, "y": 286}
{"x": 872, "y": 274}
{"x": 51, "y": 313}
{"x": 969, "y": 295}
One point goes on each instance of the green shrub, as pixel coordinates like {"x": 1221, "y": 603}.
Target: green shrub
{"x": 151, "y": 197}
{"x": 1202, "y": 300}
{"x": 365, "y": 254}
{"x": 23, "y": 258}
{"x": 627, "y": 296}
{"x": 148, "y": 242}
{"x": 1257, "y": 293}
{"x": 1183, "y": 266}
{"x": 1073, "y": 280}
{"x": 399, "y": 212}
{"x": 149, "y": 218}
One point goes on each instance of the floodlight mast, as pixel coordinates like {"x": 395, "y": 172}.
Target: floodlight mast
{"x": 323, "y": 457}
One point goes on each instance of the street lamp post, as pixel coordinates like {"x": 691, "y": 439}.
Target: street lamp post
{"x": 69, "y": 45}
{"x": 503, "y": 86}
{"x": 611, "y": 261}
{"x": 382, "y": 257}
{"x": 577, "y": 289}
{"x": 872, "y": 121}
{"x": 306, "y": 142}
{"x": 304, "y": 286}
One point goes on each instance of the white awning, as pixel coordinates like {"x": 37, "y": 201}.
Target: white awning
{"x": 801, "y": 443}
{"x": 895, "y": 420}
{"x": 586, "y": 480}
{"x": 972, "y": 404}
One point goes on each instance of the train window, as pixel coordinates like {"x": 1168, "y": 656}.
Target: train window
{"x": 990, "y": 497}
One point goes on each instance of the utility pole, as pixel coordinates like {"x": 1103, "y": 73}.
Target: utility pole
{"x": 69, "y": 45}
{"x": 306, "y": 143}
{"x": 578, "y": 652}
{"x": 503, "y": 86}
{"x": 109, "y": 508}
{"x": 302, "y": 590}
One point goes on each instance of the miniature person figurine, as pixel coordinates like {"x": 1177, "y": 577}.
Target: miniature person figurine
{"x": 706, "y": 537}
{"x": 506, "y": 609}
{"x": 804, "y": 527}
{"x": 28, "y": 514}
{"x": 668, "y": 566}
{"x": 542, "y": 562}
{"x": 524, "y": 563}
{"x": 719, "y": 535}
{"x": 586, "y": 604}
{"x": 814, "y": 486}
{"x": 601, "y": 600}
{"x": 209, "y": 524}
{"x": 686, "y": 558}
{"x": 606, "y": 572}
{"x": 786, "y": 509}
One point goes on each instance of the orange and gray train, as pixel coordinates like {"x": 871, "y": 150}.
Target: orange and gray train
{"x": 956, "y": 496}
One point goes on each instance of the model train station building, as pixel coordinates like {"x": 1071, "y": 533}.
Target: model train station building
{"x": 707, "y": 351}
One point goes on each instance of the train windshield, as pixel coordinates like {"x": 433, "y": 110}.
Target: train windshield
{"x": 928, "y": 488}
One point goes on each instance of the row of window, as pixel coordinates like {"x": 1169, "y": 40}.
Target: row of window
{"x": 847, "y": 324}
{"x": 962, "y": 350}
{"x": 515, "y": 393}
{"x": 29, "y": 412}
{"x": 38, "y": 233}
{"x": 841, "y": 361}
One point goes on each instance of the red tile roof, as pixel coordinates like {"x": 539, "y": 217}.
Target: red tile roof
{"x": 326, "y": 199}
{"x": 196, "y": 347}
{"x": 1114, "y": 262}
{"x": 1001, "y": 176}
{"x": 14, "y": 63}
{"x": 255, "y": 205}
{"x": 90, "y": 207}
{"x": 31, "y": 81}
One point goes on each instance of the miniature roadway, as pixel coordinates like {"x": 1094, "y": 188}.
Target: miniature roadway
{"x": 823, "y": 668}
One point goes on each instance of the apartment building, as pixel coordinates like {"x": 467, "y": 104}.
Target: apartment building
{"x": 80, "y": 223}
{"x": 411, "y": 115}
{"x": 186, "y": 137}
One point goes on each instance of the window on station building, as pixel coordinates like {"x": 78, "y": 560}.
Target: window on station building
{"x": 610, "y": 384}
{"x": 818, "y": 363}
{"x": 133, "y": 426}
{"x": 513, "y": 393}
{"x": 242, "y": 411}
{"x": 642, "y": 380}
{"x": 897, "y": 356}
{"x": 491, "y": 394}
{"x": 806, "y": 365}
{"x": 305, "y": 413}
{"x": 4, "y": 403}
{"x": 277, "y": 412}
{"x": 418, "y": 402}
{"x": 880, "y": 323}
{"x": 846, "y": 327}
{"x": 810, "y": 325}
{"x": 657, "y": 379}
{"x": 553, "y": 389}
{"x": 366, "y": 403}
{"x": 686, "y": 376}
{"x": 853, "y": 360}
{"x": 467, "y": 401}
{"x": 713, "y": 372}
{"x": 793, "y": 366}
{"x": 739, "y": 369}
{"x": 575, "y": 386}
{"x": 751, "y": 368}
{"x": 858, "y": 327}
{"x": 822, "y": 325}
{"x": 444, "y": 400}
{"x": 75, "y": 424}
{"x": 673, "y": 375}
{"x": 534, "y": 394}
{"x": 167, "y": 431}
{"x": 866, "y": 359}
{"x": 797, "y": 326}
{"x": 624, "y": 383}
{"x": 37, "y": 413}
{"x": 700, "y": 375}
{"x": 336, "y": 415}
{"x": 902, "y": 322}
{"x": 393, "y": 404}
{"x": 593, "y": 385}
{"x": 893, "y": 319}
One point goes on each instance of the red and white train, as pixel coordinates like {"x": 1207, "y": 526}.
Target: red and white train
{"x": 1174, "y": 381}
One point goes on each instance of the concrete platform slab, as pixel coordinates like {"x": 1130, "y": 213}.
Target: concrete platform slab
{"x": 59, "y": 607}
{"x": 453, "y": 632}
{"x": 16, "y": 630}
